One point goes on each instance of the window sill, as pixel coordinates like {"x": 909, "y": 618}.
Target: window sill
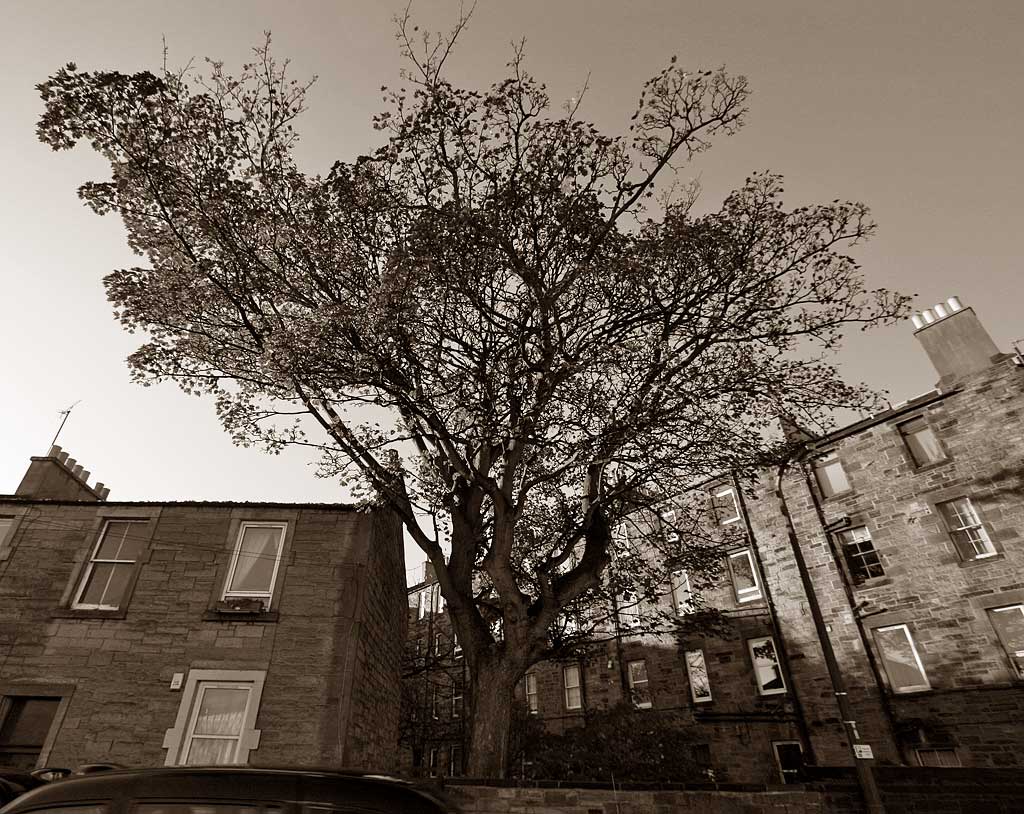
{"x": 982, "y": 560}
{"x": 837, "y": 495}
{"x": 871, "y": 582}
{"x": 234, "y": 616}
{"x": 88, "y": 613}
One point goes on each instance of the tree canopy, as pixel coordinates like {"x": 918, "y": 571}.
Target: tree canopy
{"x": 545, "y": 344}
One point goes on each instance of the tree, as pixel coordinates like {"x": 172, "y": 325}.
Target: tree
{"x": 548, "y": 350}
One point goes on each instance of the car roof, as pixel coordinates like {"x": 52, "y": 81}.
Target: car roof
{"x": 234, "y": 784}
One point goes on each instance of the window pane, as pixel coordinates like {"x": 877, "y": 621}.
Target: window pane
{"x": 921, "y": 441}
{"x": 831, "y": 475}
{"x": 221, "y": 711}
{"x": 681, "y": 593}
{"x": 696, "y": 669}
{"x": 938, "y": 757}
{"x": 899, "y": 657}
{"x": 257, "y": 556}
{"x": 122, "y": 540}
{"x": 107, "y": 584}
{"x": 28, "y": 721}
{"x": 5, "y": 527}
{"x": 211, "y": 751}
{"x": 726, "y": 507}
{"x": 966, "y": 530}
{"x": 767, "y": 670}
{"x": 743, "y": 579}
{"x": 861, "y": 557}
{"x": 1009, "y": 625}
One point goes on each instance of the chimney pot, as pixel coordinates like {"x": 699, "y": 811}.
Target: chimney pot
{"x": 104, "y": 492}
{"x": 84, "y": 475}
{"x": 77, "y": 470}
{"x": 954, "y": 304}
{"x": 54, "y": 451}
{"x": 69, "y": 463}
{"x": 940, "y": 311}
{"x": 917, "y": 320}
{"x": 929, "y": 315}
{"x": 62, "y": 457}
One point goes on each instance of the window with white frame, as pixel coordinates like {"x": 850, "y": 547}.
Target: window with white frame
{"x": 830, "y": 475}
{"x": 682, "y": 594}
{"x": 573, "y": 689}
{"x": 255, "y": 561}
{"x": 457, "y": 700}
{"x": 432, "y": 762}
{"x": 697, "y": 673}
{"x": 861, "y": 558}
{"x": 430, "y": 600}
{"x": 454, "y": 760}
{"x": 216, "y": 719}
{"x": 639, "y": 687}
{"x": 1009, "y": 625}
{"x": 767, "y": 670}
{"x": 629, "y": 610}
{"x": 900, "y": 659}
{"x": 107, "y": 577}
{"x": 725, "y": 505}
{"x": 532, "y": 705}
{"x": 966, "y": 529}
{"x": 920, "y": 441}
{"x": 744, "y": 576}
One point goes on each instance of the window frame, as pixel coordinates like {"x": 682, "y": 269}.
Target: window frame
{"x": 679, "y": 586}
{"x": 15, "y": 514}
{"x": 796, "y": 774}
{"x": 63, "y": 692}
{"x": 861, "y": 574}
{"x": 689, "y": 676}
{"x": 751, "y": 645}
{"x": 1016, "y": 669}
{"x": 178, "y": 737}
{"x": 951, "y": 531}
{"x": 633, "y": 685}
{"x": 755, "y": 593}
{"x": 268, "y": 595}
{"x": 718, "y": 492}
{"x": 912, "y": 688}
{"x": 533, "y": 708}
{"x": 578, "y": 686}
{"x": 937, "y": 750}
{"x": 91, "y": 560}
{"x": 821, "y": 463}
{"x": 905, "y": 437}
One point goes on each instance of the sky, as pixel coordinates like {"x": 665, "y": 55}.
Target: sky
{"x": 914, "y": 108}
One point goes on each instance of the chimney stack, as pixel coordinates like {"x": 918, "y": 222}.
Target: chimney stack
{"x": 955, "y": 340}
{"x": 55, "y": 476}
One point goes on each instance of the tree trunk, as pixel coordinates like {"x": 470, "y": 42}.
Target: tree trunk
{"x": 490, "y": 719}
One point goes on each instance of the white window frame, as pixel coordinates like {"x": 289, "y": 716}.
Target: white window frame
{"x": 690, "y": 667}
{"x": 824, "y": 484}
{"x": 855, "y": 537}
{"x": 456, "y": 701}
{"x": 722, "y": 491}
{"x": 924, "y": 427}
{"x": 634, "y": 684}
{"x": 178, "y": 738}
{"x": 83, "y": 581}
{"x": 751, "y": 594}
{"x": 956, "y": 522}
{"x": 578, "y": 686}
{"x": 681, "y": 593}
{"x": 757, "y": 642}
{"x": 1017, "y": 668}
{"x": 532, "y": 700}
{"x": 268, "y": 595}
{"x": 913, "y": 649}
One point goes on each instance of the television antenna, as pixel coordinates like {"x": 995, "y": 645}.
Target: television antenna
{"x": 64, "y": 413}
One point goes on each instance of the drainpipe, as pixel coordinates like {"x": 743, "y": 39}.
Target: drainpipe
{"x": 798, "y": 708}
{"x": 863, "y": 765}
{"x": 851, "y": 600}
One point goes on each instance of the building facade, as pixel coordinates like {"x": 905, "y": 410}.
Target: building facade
{"x": 163, "y": 633}
{"x": 910, "y": 525}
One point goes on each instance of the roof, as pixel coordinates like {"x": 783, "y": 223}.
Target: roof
{"x": 212, "y": 504}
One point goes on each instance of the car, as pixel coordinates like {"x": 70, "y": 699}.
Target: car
{"x": 228, "y": 790}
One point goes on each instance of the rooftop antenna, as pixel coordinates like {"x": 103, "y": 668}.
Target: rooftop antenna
{"x": 64, "y": 413}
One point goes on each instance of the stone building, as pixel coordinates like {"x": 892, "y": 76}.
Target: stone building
{"x": 911, "y": 526}
{"x": 153, "y": 633}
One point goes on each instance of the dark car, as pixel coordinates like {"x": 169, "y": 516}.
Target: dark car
{"x": 227, "y": 790}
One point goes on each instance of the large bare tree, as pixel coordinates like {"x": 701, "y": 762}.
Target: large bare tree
{"x": 492, "y": 320}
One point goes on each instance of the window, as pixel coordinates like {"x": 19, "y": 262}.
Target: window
{"x": 108, "y": 575}
{"x": 456, "y": 647}
{"x": 921, "y": 442}
{"x": 255, "y": 561}
{"x": 456, "y": 700}
{"x": 682, "y": 595}
{"x": 639, "y": 689}
{"x": 438, "y": 639}
{"x": 433, "y": 702}
{"x": 697, "y": 672}
{"x": 573, "y": 691}
{"x": 744, "y": 576}
{"x": 629, "y": 610}
{"x": 861, "y": 558}
{"x": 767, "y": 671}
{"x": 25, "y": 723}
{"x": 6, "y": 526}
{"x": 454, "y": 760}
{"x": 216, "y": 719}
{"x": 723, "y": 501}
{"x": 900, "y": 660}
{"x": 789, "y": 757}
{"x": 531, "y": 694}
{"x": 965, "y": 528}
{"x": 938, "y": 757}
{"x": 831, "y": 477}
{"x": 432, "y": 765}
{"x": 1009, "y": 625}
{"x": 430, "y": 600}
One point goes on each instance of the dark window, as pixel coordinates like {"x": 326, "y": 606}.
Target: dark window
{"x": 861, "y": 557}
{"x": 1009, "y": 625}
{"x": 107, "y": 577}
{"x": 938, "y": 757}
{"x": 921, "y": 442}
{"x": 831, "y": 477}
{"x": 455, "y": 761}
{"x": 24, "y": 724}
{"x": 789, "y": 757}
